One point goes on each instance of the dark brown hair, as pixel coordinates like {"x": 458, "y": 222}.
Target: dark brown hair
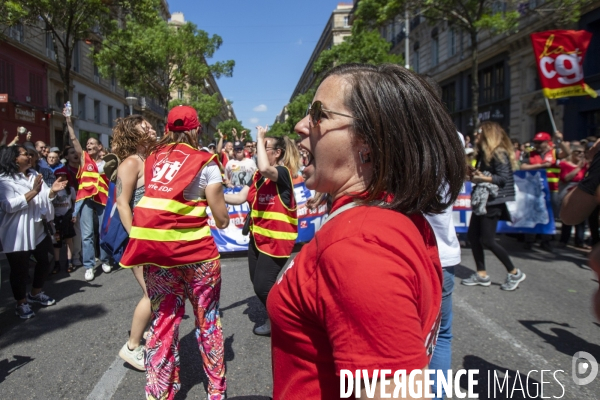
{"x": 417, "y": 156}
{"x": 127, "y": 137}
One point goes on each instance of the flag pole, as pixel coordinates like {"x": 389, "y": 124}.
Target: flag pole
{"x": 550, "y": 114}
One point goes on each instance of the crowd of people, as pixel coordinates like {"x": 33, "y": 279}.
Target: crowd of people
{"x": 377, "y": 145}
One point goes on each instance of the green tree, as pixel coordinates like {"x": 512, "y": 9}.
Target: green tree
{"x": 71, "y": 21}
{"x": 206, "y": 105}
{"x": 296, "y": 110}
{"x": 364, "y": 46}
{"x": 226, "y": 127}
{"x": 156, "y": 59}
{"x": 470, "y": 16}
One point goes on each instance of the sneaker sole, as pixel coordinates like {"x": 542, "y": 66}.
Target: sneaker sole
{"x": 124, "y": 357}
{"x": 24, "y": 316}
{"x": 261, "y": 334}
{"x": 516, "y": 285}
{"x": 478, "y": 283}
{"x": 40, "y": 303}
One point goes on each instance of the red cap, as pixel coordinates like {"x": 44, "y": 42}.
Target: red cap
{"x": 182, "y": 118}
{"x": 542, "y": 137}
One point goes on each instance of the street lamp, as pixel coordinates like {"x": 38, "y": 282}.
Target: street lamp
{"x": 131, "y": 101}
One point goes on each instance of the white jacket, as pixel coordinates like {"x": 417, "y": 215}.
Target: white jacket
{"x": 21, "y": 226}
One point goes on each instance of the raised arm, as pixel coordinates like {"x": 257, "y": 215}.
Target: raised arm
{"x": 220, "y": 144}
{"x": 74, "y": 140}
{"x": 265, "y": 168}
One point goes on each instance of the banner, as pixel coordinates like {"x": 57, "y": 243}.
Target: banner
{"x": 231, "y": 238}
{"x": 559, "y": 55}
{"x": 531, "y": 212}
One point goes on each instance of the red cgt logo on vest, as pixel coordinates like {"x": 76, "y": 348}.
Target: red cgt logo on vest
{"x": 165, "y": 170}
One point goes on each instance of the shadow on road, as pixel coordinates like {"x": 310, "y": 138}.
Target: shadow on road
{"x": 255, "y": 310}
{"x": 563, "y": 340}
{"x": 515, "y": 385}
{"x": 15, "y": 330}
{"x": 8, "y": 367}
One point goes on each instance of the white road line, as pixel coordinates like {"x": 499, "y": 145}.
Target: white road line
{"x": 110, "y": 381}
{"x": 534, "y": 359}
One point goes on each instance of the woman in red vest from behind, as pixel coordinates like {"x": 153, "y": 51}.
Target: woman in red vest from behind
{"x": 170, "y": 236}
{"x": 274, "y": 222}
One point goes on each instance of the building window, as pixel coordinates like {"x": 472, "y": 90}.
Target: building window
{"x": 96, "y": 74}
{"x": 16, "y": 32}
{"x": 113, "y": 83}
{"x": 416, "y": 61}
{"x": 434, "y": 51}
{"x": 97, "y": 111}
{"x": 346, "y": 21}
{"x": 451, "y": 42}
{"x": 50, "y": 46}
{"x": 7, "y": 78}
{"x": 449, "y": 97}
{"x": 36, "y": 89}
{"x": 118, "y": 113}
{"x": 110, "y": 116}
{"x": 179, "y": 94}
{"x": 81, "y": 106}
{"x": 76, "y": 57}
{"x": 492, "y": 83}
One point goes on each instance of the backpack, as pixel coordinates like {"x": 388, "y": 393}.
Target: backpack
{"x": 113, "y": 236}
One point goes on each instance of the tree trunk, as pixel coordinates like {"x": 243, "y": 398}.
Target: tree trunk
{"x": 474, "y": 80}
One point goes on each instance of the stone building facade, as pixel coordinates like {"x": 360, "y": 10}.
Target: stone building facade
{"x": 336, "y": 29}
{"x": 510, "y": 93}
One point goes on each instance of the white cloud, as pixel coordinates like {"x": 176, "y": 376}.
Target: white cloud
{"x": 260, "y": 108}
{"x": 254, "y": 120}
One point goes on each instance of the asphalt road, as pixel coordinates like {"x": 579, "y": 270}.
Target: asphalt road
{"x": 69, "y": 351}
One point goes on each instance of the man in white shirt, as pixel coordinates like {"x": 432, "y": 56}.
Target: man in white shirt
{"x": 239, "y": 170}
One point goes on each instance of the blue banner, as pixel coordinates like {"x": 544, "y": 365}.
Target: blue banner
{"x": 531, "y": 212}
{"x": 231, "y": 238}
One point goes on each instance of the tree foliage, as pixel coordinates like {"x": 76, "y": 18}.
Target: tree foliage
{"x": 156, "y": 59}
{"x": 207, "y": 106}
{"x": 365, "y": 46}
{"x": 226, "y": 127}
{"x": 296, "y": 110}
{"x": 71, "y": 21}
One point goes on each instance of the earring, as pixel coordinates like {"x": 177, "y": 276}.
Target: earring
{"x": 366, "y": 158}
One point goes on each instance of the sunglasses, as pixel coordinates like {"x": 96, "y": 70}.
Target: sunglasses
{"x": 315, "y": 110}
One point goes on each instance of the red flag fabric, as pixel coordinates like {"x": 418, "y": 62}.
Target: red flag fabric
{"x": 559, "y": 55}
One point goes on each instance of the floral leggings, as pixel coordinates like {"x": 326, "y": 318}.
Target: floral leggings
{"x": 168, "y": 289}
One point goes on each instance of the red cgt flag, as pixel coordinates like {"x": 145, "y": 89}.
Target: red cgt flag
{"x": 559, "y": 55}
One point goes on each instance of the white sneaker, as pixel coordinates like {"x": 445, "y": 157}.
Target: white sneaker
{"x": 89, "y": 274}
{"x": 134, "y": 357}
{"x": 106, "y": 268}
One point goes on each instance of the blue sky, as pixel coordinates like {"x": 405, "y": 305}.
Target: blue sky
{"x": 270, "y": 42}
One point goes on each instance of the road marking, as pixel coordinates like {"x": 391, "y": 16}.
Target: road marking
{"x": 110, "y": 381}
{"x": 534, "y": 359}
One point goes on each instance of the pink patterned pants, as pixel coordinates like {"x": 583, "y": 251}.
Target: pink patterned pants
{"x": 168, "y": 288}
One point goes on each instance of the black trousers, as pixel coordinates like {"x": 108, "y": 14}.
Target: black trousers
{"x": 482, "y": 232}
{"x": 19, "y": 267}
{"x": 263, "y": 270}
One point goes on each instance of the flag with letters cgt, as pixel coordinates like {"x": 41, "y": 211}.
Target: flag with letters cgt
{"x": 559, "y": 57}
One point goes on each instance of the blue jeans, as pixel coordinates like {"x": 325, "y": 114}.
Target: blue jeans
{"x": 441, "y": 359}
{"x": 90, "y": 210}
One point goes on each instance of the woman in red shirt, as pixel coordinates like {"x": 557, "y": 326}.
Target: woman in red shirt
{"x": 572, "y": 171}
{"x": 365, "y": 293}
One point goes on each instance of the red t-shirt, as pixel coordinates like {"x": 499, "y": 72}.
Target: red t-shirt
{"x": 566, "y": 168}
{"x": 365, "y": 293}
